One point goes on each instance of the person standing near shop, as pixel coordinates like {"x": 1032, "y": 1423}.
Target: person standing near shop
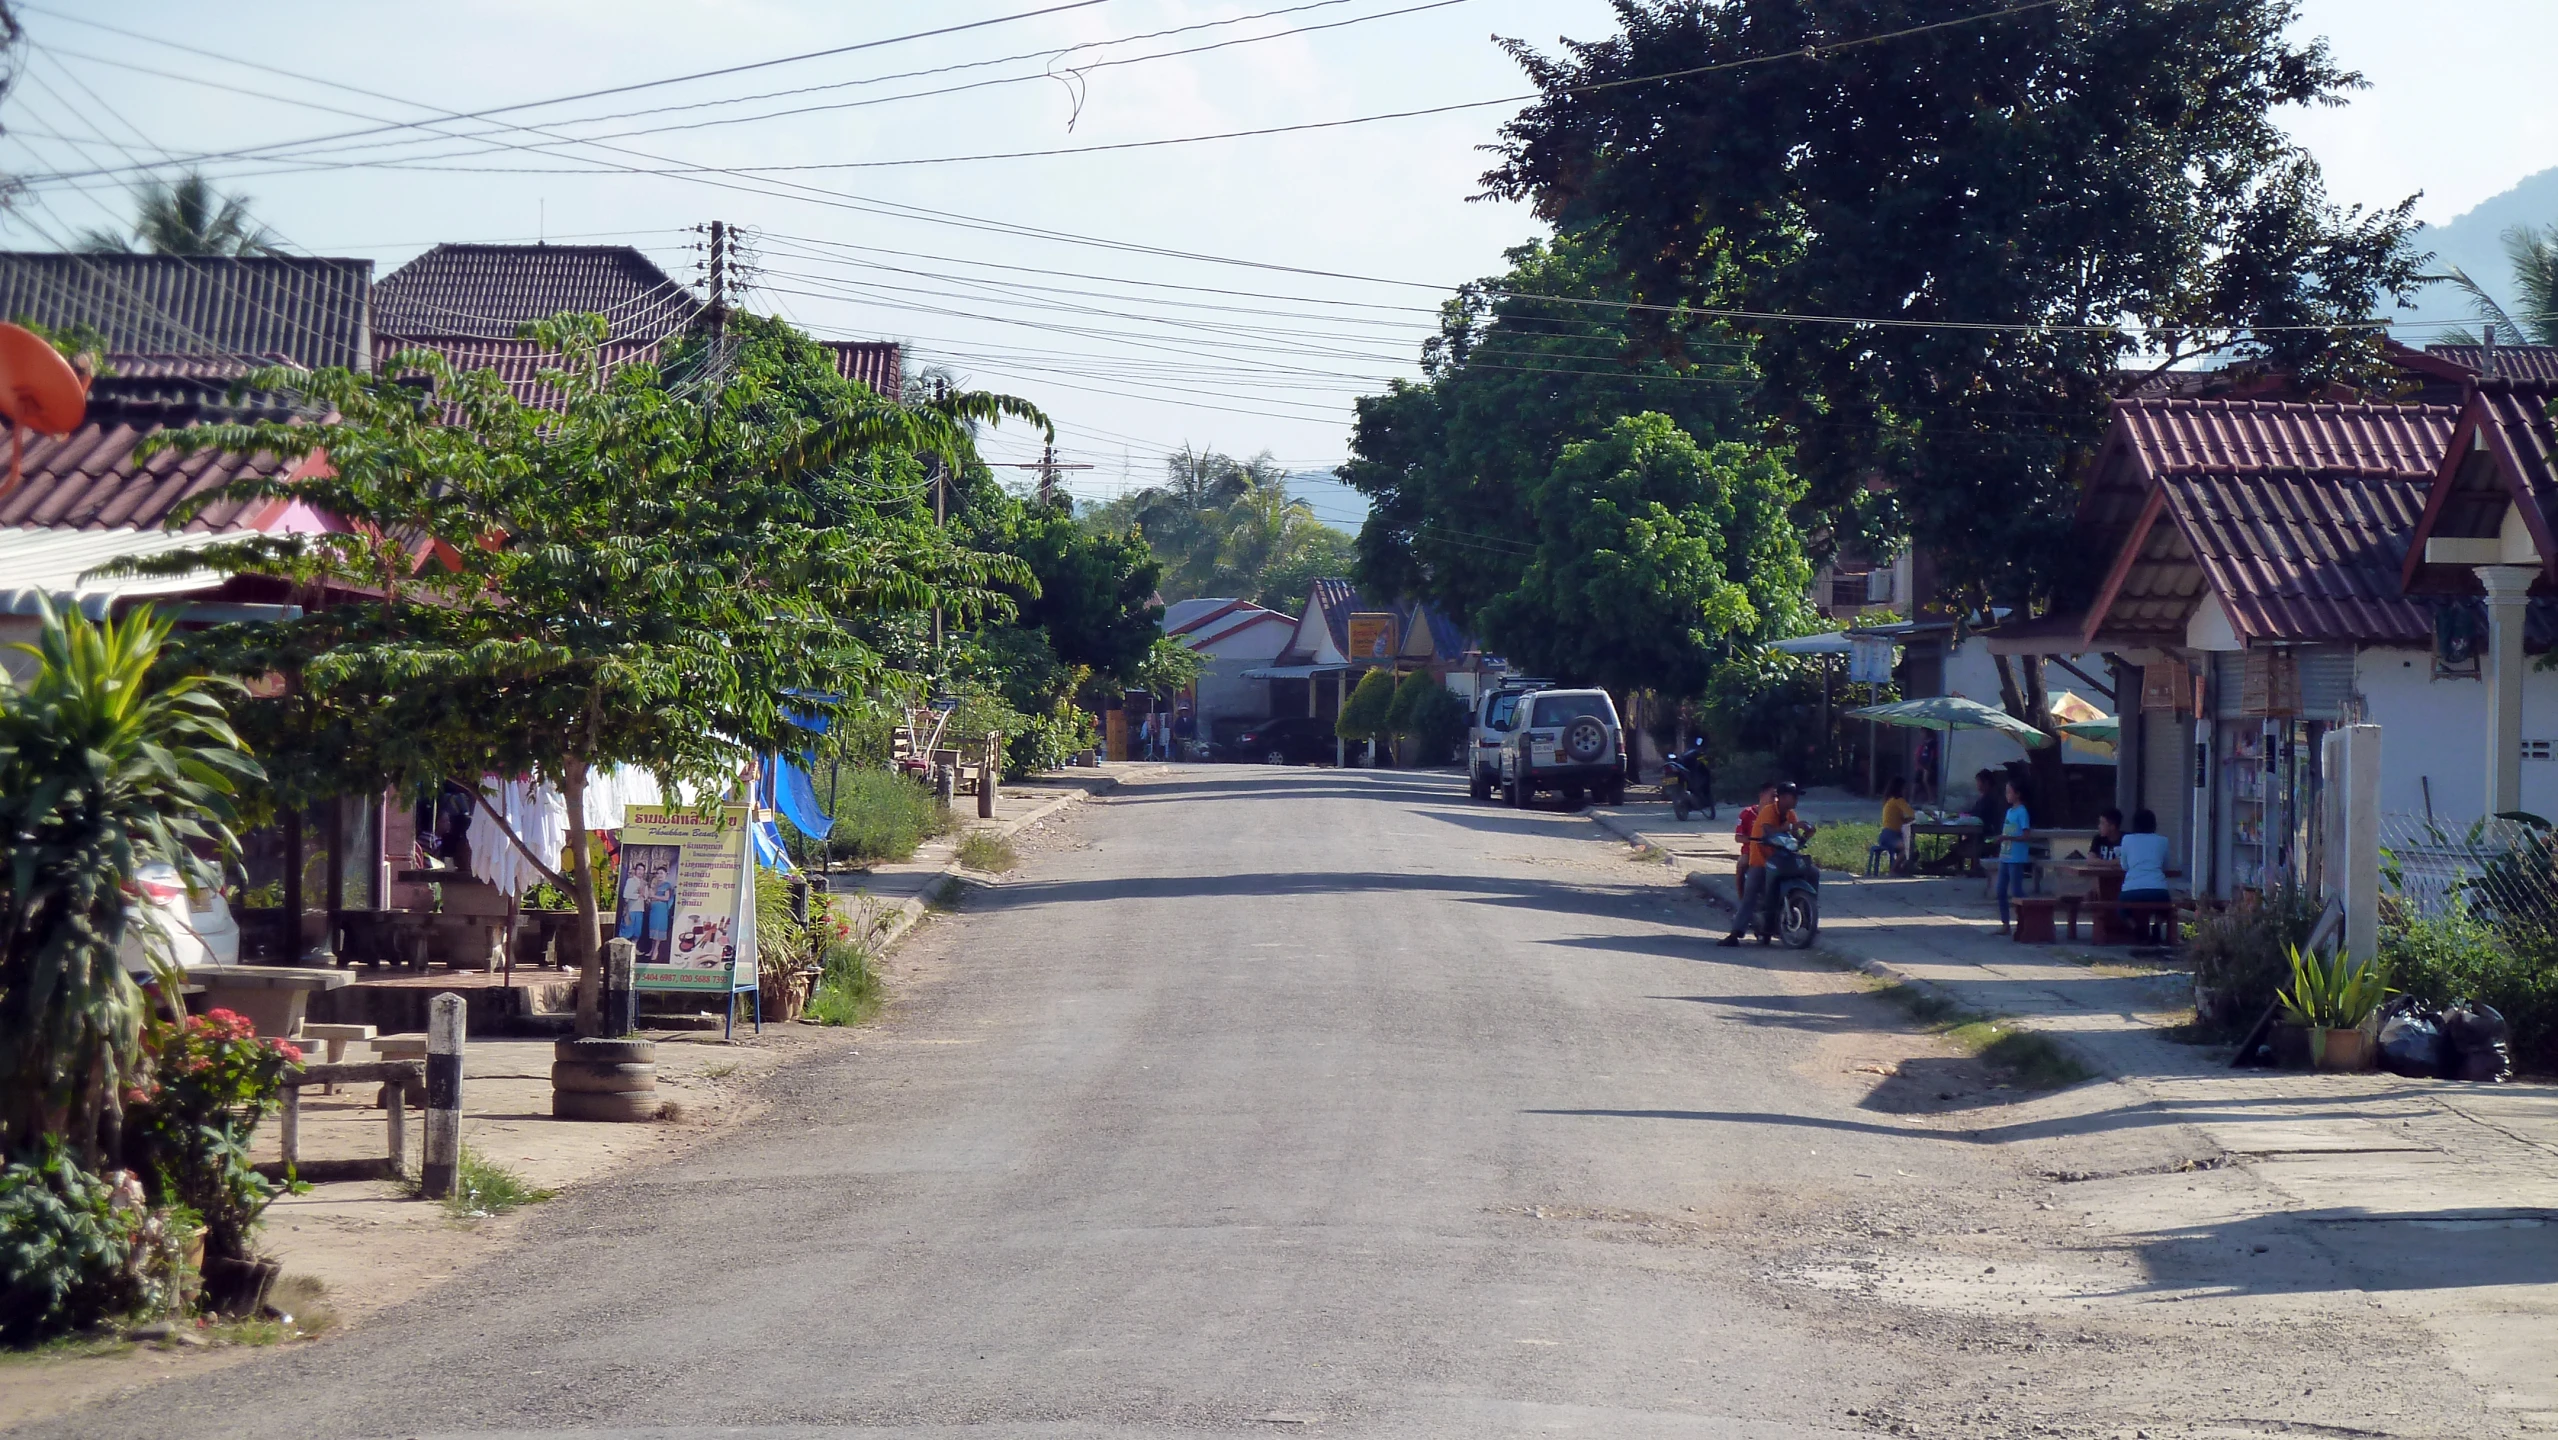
{"x": 2016, "y": 853}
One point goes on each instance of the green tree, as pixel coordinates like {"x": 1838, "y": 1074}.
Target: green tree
{"x": 1524, "y": 364}
{"x": 630, "y": 577}
{"x": 1363, "y": 715}
{"x": 104, "y": 767}
{"x": 1426, "y": 718}
{"x": 1654, "y": 558}
{"x": 2533, "y": 253}
{"x": 1948, "y": 249}
{"x": 1091, "y": 591}
{"x": 186, "y": 216}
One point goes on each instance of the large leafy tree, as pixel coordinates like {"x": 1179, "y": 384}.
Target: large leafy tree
{"x": 1523, "y": 365}
{"x": 1089, "y": 589}
{"x": 1222, "y": 526}
{"x": 1948, "y": 248}
{"x": 631, "y": 575}
{"x": 1655, "y": 556}
{"x": 186, "y": 216}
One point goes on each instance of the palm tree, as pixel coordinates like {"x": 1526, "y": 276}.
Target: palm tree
{"x": 103, "y": 768}
{"x": 2534, "y": 256}
{"x": 188, "y": 217}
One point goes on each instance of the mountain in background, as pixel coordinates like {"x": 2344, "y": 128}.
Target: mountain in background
{"x": 1335, "y": 504}
{"x": 2474, "y": 241}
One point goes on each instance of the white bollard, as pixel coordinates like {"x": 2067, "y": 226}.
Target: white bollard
{"x": 444, "y": 1031}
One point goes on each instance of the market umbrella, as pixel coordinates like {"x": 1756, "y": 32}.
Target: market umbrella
{"x": 2101, "y": 733}
{"x": 2067, "y": 705}
{"x": 1953, "y": 712}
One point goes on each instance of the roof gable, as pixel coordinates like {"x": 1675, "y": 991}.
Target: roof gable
{"x": 489, "y": 292}
{"x": 307, "y": 310}
{"x": 2502, "y": 460}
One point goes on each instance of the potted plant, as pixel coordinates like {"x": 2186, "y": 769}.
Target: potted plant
{"x": 2332, "y": 1000}
{"x": 213, "y": 1079}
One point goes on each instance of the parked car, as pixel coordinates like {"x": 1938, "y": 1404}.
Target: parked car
{"x": 1570, "y": 741}
{"x": 197, "y": 930}
{"x": 1287, "y": 740}
{"x": 1493, "y": 715}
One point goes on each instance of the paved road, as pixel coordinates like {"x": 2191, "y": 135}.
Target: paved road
{"x": 1292, "y": 1102}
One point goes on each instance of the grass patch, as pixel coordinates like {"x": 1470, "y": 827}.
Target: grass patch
{"x": 482, "y": 1187}
{"x": 1842, "y": 846}
{"x": 1648, "y": 855}
{"x": 848, "y": 990}
{"x": 2035, "y": 1062}
{"x": 987, "y": 851}
{"x": 881, "y": 815}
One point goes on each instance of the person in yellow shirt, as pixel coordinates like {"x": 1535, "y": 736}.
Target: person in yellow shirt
{"x": 1897, "y": 815}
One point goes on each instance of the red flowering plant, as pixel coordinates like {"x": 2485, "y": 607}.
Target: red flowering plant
{"x": 188, "y": 1128}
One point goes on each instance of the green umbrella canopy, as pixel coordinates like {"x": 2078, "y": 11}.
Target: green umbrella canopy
{"x": 2103, "y": 730}
{"x": 1953, "y": 712}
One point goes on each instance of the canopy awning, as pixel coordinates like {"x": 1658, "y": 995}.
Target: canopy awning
{"x": 1953, "y": 712}
{"x": 1296, "y": 672}
{"x": 43, "y": 563}
{"x": 1834, "y": 642}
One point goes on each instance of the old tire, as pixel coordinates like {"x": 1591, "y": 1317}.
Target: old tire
{"x": 602, "y": 1077}
{"x": 625, "y": 1106}
{"x": 606, "y": 1052}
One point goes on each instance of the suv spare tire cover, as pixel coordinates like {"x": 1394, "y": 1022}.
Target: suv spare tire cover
{"x": 1587, "y": 740}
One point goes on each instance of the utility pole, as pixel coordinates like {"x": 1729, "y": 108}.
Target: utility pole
{"x": 718, "y": 309}
{"x": 1047, "y": 465}
{"x": 941, "y": 503}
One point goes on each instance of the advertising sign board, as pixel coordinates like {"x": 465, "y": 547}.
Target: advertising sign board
{"x": 686, "y": 898}
{"x": 1372, "y": 635}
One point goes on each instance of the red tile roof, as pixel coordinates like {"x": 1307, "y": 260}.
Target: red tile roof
{"x": 2304, "y": 557}
{"x": 89, "y": 480}
{"x": 488, "y": 292}
{"x": 2266, "y": 436}
{"x": 519, "y": 363}
{"x": 876, "y": 363}
{"x": 2511, "y": 362}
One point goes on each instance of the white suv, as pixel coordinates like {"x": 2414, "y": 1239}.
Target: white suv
{"x": 1567, "y": 740}
{"x": 1493, "y": 717}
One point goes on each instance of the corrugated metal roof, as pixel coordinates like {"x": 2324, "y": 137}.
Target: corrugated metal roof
{"x": 48, "y": 564}
{"x": 88, "y": 480}
{"x": 308, "y": 309}
{"x": 2267, "y": 436}
{"x": 488, "y": 292}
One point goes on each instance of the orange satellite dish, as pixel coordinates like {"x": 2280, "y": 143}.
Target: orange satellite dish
{"x": 38, "y": 388}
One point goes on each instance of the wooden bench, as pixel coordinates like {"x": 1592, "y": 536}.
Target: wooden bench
{"x": 2034, "y": 919}
{"x": 398, "y": 1078}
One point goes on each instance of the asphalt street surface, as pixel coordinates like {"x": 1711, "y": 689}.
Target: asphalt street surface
{"x": 1271, "y": 1101}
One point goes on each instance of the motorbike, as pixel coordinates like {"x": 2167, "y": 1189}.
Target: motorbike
{"x": 1793, "y": 912}
{"x": 1689, "y": 783}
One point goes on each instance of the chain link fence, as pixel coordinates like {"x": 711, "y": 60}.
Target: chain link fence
{"x": 2496, "y": 869}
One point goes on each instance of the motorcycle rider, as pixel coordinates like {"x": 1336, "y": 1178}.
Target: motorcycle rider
{"x": 1773, "y": 817}
{"x": 1696, "y": 774}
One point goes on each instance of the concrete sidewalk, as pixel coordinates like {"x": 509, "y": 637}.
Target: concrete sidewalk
{"x": 2374, "y": 1144}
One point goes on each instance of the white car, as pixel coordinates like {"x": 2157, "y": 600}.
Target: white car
{"x": 1493, "y": 716}
{"x": 1566, "y": 740}
{"x": 197, "y": 930}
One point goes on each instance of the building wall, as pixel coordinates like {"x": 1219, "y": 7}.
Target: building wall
{"x": 1223, "y": 690}
{"x": 2433, "y": 735}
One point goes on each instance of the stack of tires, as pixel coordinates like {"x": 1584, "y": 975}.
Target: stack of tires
{"x": 604, "y": 1079}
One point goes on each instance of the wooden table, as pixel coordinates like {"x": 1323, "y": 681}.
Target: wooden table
{"x": 1966, "y": 835}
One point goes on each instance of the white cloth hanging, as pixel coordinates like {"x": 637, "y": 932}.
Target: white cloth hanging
{"x": 611, "y": 793}
{"x": 539, "y": 817}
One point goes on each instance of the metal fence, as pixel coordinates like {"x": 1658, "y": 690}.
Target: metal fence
{"x": 2492, "y": 869}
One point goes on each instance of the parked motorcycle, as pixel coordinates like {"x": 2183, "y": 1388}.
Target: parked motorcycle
{"x": 1689, "y": 783}
{"x": 1793, "y": 912}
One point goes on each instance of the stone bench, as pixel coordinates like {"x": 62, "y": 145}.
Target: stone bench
{"x": 399, "y": 1080}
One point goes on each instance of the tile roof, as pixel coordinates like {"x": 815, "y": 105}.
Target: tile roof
{"x": 2504, "y": 453}
{"x": 2305, "y": 557}
{"x": 519, "y": 363}
{"x": 878, "y": 364}
{"x": 88, "y": 480}
{"x": 2265, "y": 436}
{"x": 1337, "y": 599}
{"x": 2512, "y": 362}
{"x": 489, "y": 291}
{"x": 309, "y": 310}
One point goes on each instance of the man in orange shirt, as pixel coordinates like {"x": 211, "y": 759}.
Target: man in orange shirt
{"x": 1758, "y": 822}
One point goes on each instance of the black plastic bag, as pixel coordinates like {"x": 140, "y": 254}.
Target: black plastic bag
{"x": 2474, "y": 1040}
{"x": 2411, "y": 1044}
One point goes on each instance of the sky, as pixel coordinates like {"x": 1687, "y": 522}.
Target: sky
{"x": 1234, "y": 294}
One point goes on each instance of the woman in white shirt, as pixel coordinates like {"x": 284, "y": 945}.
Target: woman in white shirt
{"x": 2144, "y": 856}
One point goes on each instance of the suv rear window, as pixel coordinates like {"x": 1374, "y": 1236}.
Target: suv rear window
{"x": 1498, "y": 715}
{"x": 1552, "y": 710}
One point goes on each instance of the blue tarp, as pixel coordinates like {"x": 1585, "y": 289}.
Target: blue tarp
{"x": 795, "y": 795}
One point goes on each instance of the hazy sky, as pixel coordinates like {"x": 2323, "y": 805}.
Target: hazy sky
{"x": 1037, "y": 275}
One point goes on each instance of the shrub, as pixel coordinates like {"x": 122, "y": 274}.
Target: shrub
{"x": 884, "y": 815}
{"x": 987, "y": 851}
{"x": 2245, "y": 951}
{"x": 212, "y": 1080}
{"x": 2459, "y": 956}
{"x": 1428, "y": 716}
{"x": 848, "y": 989}
{"x": 70, "y": 1255}
{"x": 482, "y": 1187}
{"x": 1363, "y": 715}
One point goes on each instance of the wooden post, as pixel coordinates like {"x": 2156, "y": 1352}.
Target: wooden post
{"x": 443, "y": 1096}
{"x": 621, "y": 999}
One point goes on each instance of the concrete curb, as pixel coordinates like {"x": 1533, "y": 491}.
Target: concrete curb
{"x": 912, "y": 908}
{"x": 1718, "y": 889}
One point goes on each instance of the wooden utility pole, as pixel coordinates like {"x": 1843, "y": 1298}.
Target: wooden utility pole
{"x": 1047, "y": 465}
{"x": 717, "y": 310}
